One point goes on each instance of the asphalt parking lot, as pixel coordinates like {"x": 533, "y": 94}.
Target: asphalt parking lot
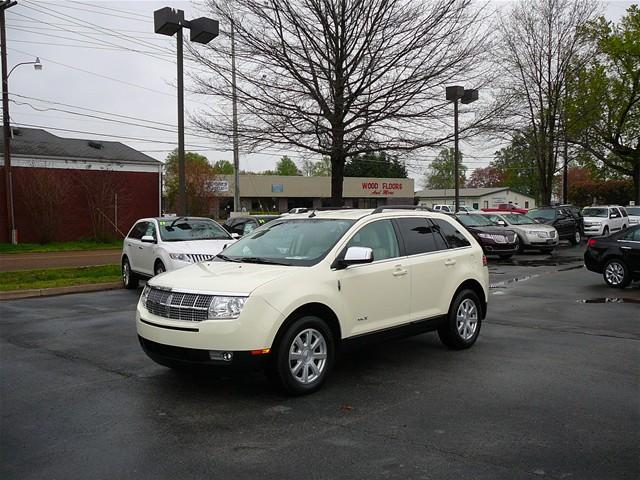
{"x": 550, "y": 390}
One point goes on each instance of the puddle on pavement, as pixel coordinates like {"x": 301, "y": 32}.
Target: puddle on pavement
{"x": 505, "y": 283}
{"x": 540, "y": 262}
{"x": 609, "y": 300}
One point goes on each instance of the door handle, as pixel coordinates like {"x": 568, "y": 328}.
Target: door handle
{"x": 140, "y": 247}
{"x": 399, "y": 271}
{"x": 625, "y": 248}
{"x": 450, "y": 262}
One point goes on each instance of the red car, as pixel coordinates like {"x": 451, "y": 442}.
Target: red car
{"x": 506, "y": 207}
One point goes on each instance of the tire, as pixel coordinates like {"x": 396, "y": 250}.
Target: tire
{"x": 605, "y": 232}
{"x": 297, "y": 369}
{"x": 616, "y": 274}
{"x": 129, "y": 279}
{"x": 463, "y": 323}
{"x": 159, "y": 268}
{"x": 575, "y": 240}
{"x": 521, "y": 244}
{"x": 506, "y": 257}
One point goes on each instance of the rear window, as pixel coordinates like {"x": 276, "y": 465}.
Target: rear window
{"x": 452, "y": 235}
{"x": 420, "y": 236}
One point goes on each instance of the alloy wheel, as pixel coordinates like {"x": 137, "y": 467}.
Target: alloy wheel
{"x": 467, "y": 319}
{"x": 308, "y": 356}
{"x": 126, "y": 273}
{"x": 614, "y": 273}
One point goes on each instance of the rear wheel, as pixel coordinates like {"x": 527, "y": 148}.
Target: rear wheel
{"x": 303, "y": 357}
{"x": 129, "y": 279}
{"x": 576, "y": 238}
{"x": 463, "y": 321}
{"x": 616, "y": 274}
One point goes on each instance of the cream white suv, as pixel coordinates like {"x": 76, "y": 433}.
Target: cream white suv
{"x": 296, "y": 290}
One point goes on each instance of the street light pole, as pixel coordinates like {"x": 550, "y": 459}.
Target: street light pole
{"x": 169, "y": 21}
{"x": 453, "y": 94}
{"x": 236, "y": 151}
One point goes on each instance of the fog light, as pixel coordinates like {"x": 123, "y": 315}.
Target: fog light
{"x": 217, "y": 355}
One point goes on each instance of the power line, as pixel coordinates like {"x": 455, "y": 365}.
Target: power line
{"x": 94, "y": 73}
{"x": 103, "y": 13}
{"x": 119, "y": 10}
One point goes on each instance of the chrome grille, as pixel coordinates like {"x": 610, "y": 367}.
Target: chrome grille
{"x": 178, "y": 306}
{"x": 199, "y": 257}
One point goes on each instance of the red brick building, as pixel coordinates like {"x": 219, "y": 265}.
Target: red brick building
{"x": 68, "y": 189}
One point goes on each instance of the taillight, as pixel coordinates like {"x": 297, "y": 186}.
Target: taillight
{"x": 591, "y": 242}
{"x": 484, "y": 261}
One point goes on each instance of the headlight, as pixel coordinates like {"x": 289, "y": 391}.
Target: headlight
{"x": 226, "y": 307}
{"x": 145, "y": 295}
{"x": 484, "y": 235}
{"x": 183, "y": 257}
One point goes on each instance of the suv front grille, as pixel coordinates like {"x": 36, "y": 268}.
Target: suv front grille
{"x": 178, "y": 306}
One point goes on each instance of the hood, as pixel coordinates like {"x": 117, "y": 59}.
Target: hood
{"x": 537, "y": 227}
{"x": 492, "y": 230}
{"x": 211, "y": 247}
{"x": 222, "y": 277}
{"x": 595, "y": 219}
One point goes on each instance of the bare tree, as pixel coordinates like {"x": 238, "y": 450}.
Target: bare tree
{"x": 542, "y": 45}
{"x": 339, "y": 78}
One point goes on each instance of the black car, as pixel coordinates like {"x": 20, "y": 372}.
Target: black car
{"x": 576, "y": 213}
{"x": 561, "y": 219}
{"x": 617, "y": 257}
{"x": 247, "y": 223}
{"x": 493, "y": 239}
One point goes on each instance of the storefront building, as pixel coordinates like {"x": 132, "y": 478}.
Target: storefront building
{"x": 477, "y": 198}
{"x": 279, "y": 194}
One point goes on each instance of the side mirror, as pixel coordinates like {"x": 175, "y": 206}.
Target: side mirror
{"x": 235, "y": 236}
{"x": 354, "y": 256}
{"x": 502, "y": 223}
{"x": 148, "y": 239}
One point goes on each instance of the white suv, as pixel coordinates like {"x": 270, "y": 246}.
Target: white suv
{"x": 155, "y": 245}
{"x": 603, "y": 220}
{"x": 296, "y": 290}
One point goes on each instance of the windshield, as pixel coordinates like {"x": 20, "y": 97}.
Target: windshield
{"x": 183, "y": 229}
{"x": 633, "y": 211}
{"x": 288, "y": 242}
{"x": 595, "y": 212}
{"x": 546, "y": 213}
{"x": 475, "y": 221}
{"x": 519, "y": 219}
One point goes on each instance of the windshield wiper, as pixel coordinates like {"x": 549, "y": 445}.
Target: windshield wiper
{"x": 261, "y": 260}
{"x": 226, "y": 259}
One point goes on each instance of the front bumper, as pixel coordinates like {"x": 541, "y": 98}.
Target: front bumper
{"x": 593, "y": 230}
{"x": 500, "y": 249}
{"x": 172, "y": 356}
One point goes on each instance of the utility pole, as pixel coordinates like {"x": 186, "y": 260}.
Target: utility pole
{"x": 12, "y": 234}
{"x": 182, "y": 183}
{"x": 236, "y": 151}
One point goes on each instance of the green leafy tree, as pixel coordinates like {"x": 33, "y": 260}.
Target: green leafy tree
{"x": 286, "y": 166}
{"x": 516, "y": 165}
{"x": 603, "y": 108}
{"x": 223, "y": 167}
{"x": 378, "y": 165}
{"x": 198, "y": 173}
{"x": 440, "y": 173}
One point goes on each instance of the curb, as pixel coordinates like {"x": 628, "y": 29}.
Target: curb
{"x": 49, "y": 292}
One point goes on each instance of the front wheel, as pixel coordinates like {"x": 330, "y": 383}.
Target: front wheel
{"x": 616, "y": 274}
{"x": 303, "y": 357}
{"x": 129, "y": 279}
{"x": 576, "y": 238}
{"x": 463, "y": 321}
{"x": 159, "y": 268}
{"x": 605, "y": 232}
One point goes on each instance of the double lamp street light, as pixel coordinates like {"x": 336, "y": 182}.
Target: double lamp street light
{"x": 454, "y": 94}
{"x": 169, "y": 21}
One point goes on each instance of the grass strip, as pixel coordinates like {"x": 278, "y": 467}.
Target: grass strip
{"x": 58, "y": 277}
{"x": 59, "y": 246}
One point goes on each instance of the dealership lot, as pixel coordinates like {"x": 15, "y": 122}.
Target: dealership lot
{"x": 550, "y": 390}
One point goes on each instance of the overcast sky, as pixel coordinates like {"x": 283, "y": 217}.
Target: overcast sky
{"x": 104, "y": 56}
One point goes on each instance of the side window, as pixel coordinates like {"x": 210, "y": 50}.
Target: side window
{"x": 631, "y": 235}
{"x": 526, "y": 204}
{"x": 247, "y": 227}
{"x": 418, "y": 235}
{"x": 451, "y": 233}
{"x": 379, "y": 237}
{"x": 150, "y": 230}
{"x": 624, "y": 212}
{"x": 138, "y": 231}
{"x": 238, "y": 227}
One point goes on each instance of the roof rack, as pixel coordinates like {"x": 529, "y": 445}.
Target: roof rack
{"x": 327, "y": 209}
{"x": 402, "y": 207}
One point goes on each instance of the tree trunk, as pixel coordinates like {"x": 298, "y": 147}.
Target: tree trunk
{"x": 337, "y": 178}
{"x": 636, "y": 181}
